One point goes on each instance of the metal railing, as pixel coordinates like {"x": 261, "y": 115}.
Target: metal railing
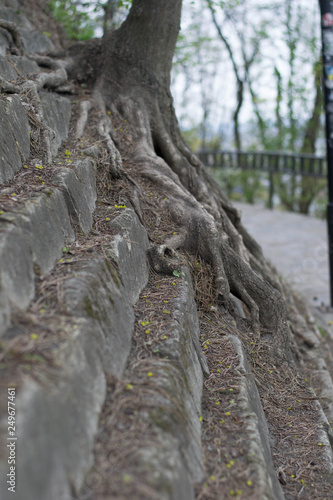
{"x": 272, "y": 162}
{"x": 268, "y": 161}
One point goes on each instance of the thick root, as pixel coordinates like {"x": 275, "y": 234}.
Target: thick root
{"x": 12, "y": 29}
{"x": 85, "y": 107}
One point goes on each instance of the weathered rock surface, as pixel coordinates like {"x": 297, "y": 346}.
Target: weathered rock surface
{"x": 97, "y": 293}
{"x": 24, "y": 65}
{"x": 35, "y": 42}
{"x": 60, "y": 412}
{"x": 5, "y": 41}
{"x": 15, "y": 137}
{"x": 31, "y": 241}
{"x": 258, "y": 437}
{"x": 175, "y": 461}
{"x": 57, "y": 418}
{"x": 57, "y": 114}
{"x": 6, "y": 69}
{"x": 78, "y": 185}
{"x": 128, "y": 250}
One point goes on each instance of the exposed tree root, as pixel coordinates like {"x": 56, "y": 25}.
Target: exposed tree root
{"x": 203, "y": 225}
{"x": 12, "y": 29}
{"x": 85, "y": 107}
{"x": 208, "y": 224}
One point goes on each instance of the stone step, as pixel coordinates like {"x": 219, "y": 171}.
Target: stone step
{"x": 258, "y": 436}
{"x": 15, "y": 129}
{"x": 58, "y": 407}
{"x": 163, "y": 397}
{"x": 32, "y": 237}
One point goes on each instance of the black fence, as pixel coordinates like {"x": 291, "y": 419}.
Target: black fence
{"x": 295, "y": 164}
{"x": 305, "y": 165}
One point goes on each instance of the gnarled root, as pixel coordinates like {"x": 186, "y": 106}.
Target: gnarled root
{"x": 12, "y": 29}
{"x": 163, "y": 259}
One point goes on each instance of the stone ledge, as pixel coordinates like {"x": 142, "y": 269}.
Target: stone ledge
{"x": 57, "y": 114}
{"x": 258, "y": 439}
{"x": 176, "y": 461}
{"x": 96, "y": 293}
{"x": 100, "y": 292}
{"x": 6, "y": 70}
{"x": 60, "y": 413}
{"x": 169, "y": 454}
{"x": 35, "y": 42}
{"x": 79, "y": 187}
{"x": 31, "y": 241}
{"x": 15, "y": 129}
{"x": 57, "y": 418}
{"x": 15, "y": 137}
{"x": 23, "y": 65}
{"x": 128, "y": 250}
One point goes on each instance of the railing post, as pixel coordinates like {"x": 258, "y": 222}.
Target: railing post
{"x": 271, "y": 184}
{"x": 327, "y": 54}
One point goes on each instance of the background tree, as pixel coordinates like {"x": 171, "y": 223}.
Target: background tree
{"x": 245, "y": 45}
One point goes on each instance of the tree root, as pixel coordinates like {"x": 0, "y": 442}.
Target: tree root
{"x": 12, "y": 29}
{"x": 9, "y": 87}
{"x": 208, "y": 223}
{"x": 208, "y": 226}
{"x": 85, "y": 107}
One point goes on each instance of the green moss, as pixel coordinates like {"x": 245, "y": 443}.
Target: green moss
{"x": 113, "y": 271}
{"x": 89, "y": 308}
{"x": 323, "y": 332}
{"x": 164, "y": 419}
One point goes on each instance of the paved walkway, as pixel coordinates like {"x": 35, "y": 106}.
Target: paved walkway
{"x": 297, "y": 246}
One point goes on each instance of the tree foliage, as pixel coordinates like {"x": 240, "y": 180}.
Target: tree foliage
{"x": 81, "y": 20}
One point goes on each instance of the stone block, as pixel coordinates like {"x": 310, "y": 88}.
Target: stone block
{"x": 6, "y": 70}
{"x": 35, "y": 42}
{"x": 258, "y": 437}
{"x": 57, "y": 419}
{"x": 78, "y": 185}
{"x": 24, "y": 65}
{"x": 15, "y": 137}
{"x": 31, "y": 241}
{"x": 19, "y": 124}
{"x": 16, "y": 270}
{"x": 128, "y": 249}
{"x": 49, "y": 228}
{"x": 182, "y": 346}
{"x": 96, "y": 293}
{"x": 57, "y": 114}
{"x": 173, "y": 406}
{"x": 10, "y": 160}
{"x": 14, "y": 16}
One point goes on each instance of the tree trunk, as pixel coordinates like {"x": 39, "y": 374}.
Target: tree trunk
{"x": 132, "y": 89}
{"x": 310, "y": 187}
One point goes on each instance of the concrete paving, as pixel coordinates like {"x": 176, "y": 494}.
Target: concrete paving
{"x": 297, "y": 246}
